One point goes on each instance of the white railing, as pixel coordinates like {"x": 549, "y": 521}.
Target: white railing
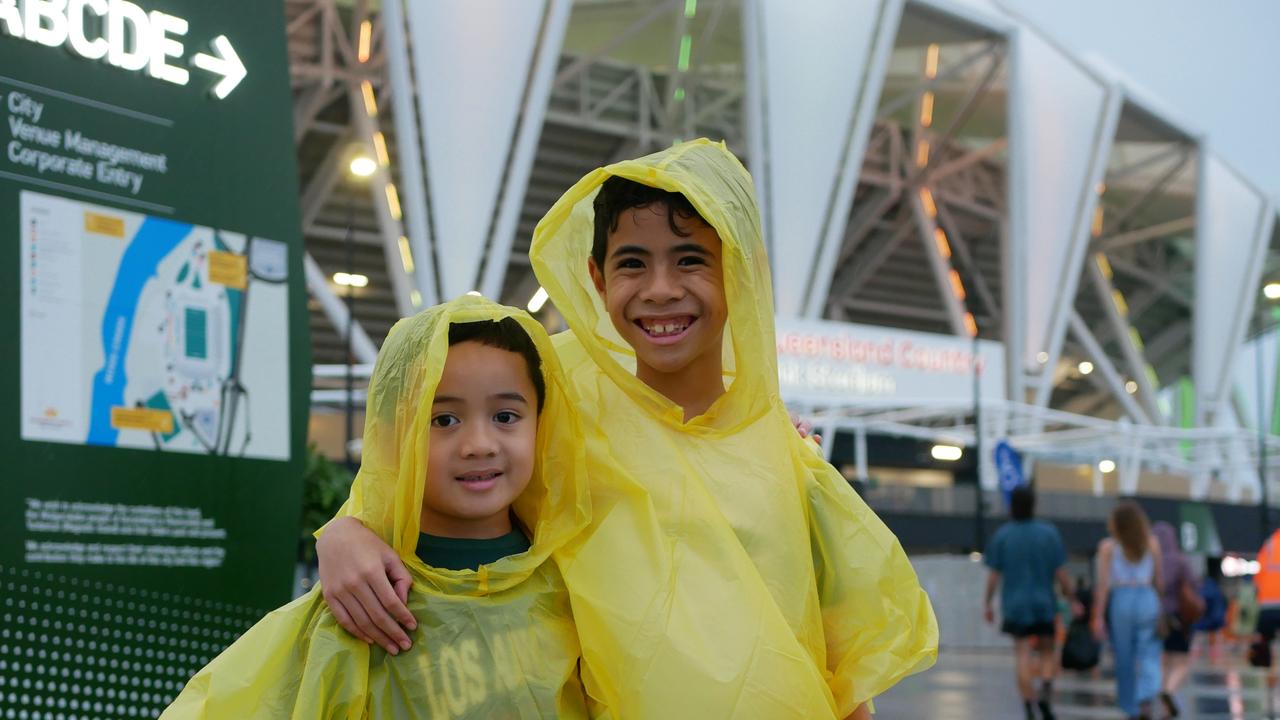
{"x": 1231, "y": 455}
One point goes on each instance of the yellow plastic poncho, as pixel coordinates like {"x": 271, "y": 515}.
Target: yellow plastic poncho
{"x": 497, "y": 643}
{"x": 728, "y": 570}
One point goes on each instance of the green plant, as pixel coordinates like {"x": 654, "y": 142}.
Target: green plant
{"x": 326, "y": 485}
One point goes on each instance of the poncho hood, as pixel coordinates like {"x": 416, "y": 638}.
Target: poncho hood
{"x": 720, "y": 189}
{"x": 387, "y": 493}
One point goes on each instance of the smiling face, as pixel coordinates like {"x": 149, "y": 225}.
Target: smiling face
{"x": 484, "y": 421}
{"x": 664, "y": 291}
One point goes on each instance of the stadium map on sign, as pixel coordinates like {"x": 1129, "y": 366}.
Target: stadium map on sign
{"x": 146, "y": 332}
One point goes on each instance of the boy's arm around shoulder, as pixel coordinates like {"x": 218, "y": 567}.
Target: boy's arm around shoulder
{"x": 365, "y": 584}
{"x": 878, "y": 622}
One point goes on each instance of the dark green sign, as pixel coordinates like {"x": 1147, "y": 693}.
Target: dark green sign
{"x": 1197, "y": 530}
{"x": 158, "y": 369}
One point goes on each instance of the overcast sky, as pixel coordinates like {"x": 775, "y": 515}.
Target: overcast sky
{"x": 1215, "y": 63}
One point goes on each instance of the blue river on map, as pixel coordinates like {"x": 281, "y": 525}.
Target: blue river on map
{"x": 152, "y": 243}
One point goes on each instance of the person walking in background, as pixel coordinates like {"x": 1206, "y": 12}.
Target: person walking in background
{"x": 1214, "y": 619}
{"x": 1126, "y": 606}
{"x": 1267, "y": 588}
{"x": 1025, "y": 557}
{"x": 1179, "y": 601}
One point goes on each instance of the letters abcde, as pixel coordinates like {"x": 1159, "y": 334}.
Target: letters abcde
{"x": 115, "y": 31}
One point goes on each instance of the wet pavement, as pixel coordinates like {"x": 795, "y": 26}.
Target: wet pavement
{"x": 968, "y": 685}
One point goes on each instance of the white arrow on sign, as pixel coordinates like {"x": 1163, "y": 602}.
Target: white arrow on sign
{"x": 226, "y": 63}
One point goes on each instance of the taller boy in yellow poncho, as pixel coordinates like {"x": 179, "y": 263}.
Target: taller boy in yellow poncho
{"x": 728, "y": 571}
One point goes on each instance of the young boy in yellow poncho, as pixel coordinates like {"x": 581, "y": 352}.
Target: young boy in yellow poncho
{"x": 728, "y": 571}
{"x": 468, "y": 424}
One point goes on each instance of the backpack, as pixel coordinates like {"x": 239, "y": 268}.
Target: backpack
{"x": 1215, "y": 607}
{"x": 1191, "y": 605}
{"x": 1081, "y": 650}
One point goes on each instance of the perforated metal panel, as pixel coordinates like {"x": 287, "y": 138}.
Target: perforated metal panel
{"x": 76, "y": 649}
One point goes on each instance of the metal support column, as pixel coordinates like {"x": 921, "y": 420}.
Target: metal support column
{"x": 1264, "y": 506}
{"x": 417, "y": 217}
{"x": 980, "y": 497}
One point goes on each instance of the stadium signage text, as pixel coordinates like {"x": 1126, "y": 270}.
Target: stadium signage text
{"x": 829, "y": 363}
{"x": 121, "y": 34}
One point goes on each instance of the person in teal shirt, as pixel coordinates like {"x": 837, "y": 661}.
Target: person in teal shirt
{"x": 1025, "y": 557}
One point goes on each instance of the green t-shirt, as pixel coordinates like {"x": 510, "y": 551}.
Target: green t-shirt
{"x": 469, "y": 554}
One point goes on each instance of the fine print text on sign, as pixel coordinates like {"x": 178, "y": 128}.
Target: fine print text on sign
{"x": 122, "y": 35}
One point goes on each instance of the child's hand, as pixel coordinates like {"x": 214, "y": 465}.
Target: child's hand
{"x": 365, "y": 584}
{"x": 1077, "y": 609}
{"x": 805, "y": 428}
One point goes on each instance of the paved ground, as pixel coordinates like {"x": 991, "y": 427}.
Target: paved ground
{"x": 972, "y": 685}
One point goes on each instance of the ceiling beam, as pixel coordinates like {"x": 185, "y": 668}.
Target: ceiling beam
{"x": 873, "y": 255}
{"x": 961, "y": 248}
{"x": 1165, "y": 284}
{"x": 969, "y": 159}
{"x": 855, "y": 305}
{"x": 1132, "y": 237}
{"x": 926, "y": 229}
{"x": 577, "y": 67}
{"x": 1105, "y": 368}
{"x": 1120, "y": 329}
{"x": 910, "y": 95}
{"x": 1121, "y": 219}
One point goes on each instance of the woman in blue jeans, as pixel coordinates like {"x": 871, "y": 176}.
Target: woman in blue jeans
{"x": 1128, "y": 593}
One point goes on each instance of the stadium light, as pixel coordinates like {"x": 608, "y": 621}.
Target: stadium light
{"x": 946, "y": 453}
{"x": 1237, "y": 567}
{"x": 1271, "y": 290}
{"x": 1085, "y": 367}
{"x": 537, "y": 301}
{"x": 351, "y": 279}
{"x": 1107, "y": 466}
{"x": 363, "y": 166}
{"x": 366, "y": 41}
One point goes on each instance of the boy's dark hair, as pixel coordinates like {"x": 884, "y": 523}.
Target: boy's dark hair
{"x": 618, "y": 195}
{"x": 1022, "y": 503}
{"x": 505, "y": 334}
